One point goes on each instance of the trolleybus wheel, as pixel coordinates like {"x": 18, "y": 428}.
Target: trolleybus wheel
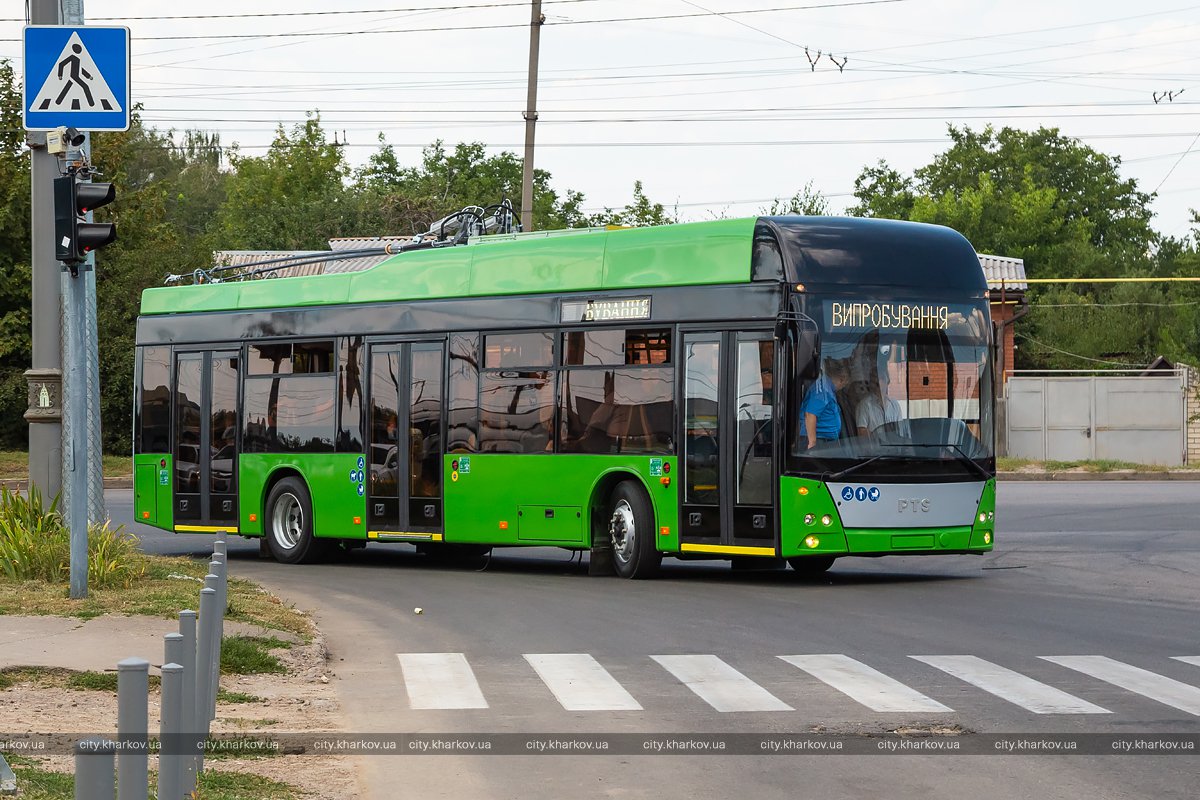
{"x": 631, "y": 526}
{"x": 289, "y": 523}
{"x": 811, "y": 566}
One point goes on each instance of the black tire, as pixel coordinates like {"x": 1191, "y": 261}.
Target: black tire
{"x": 630, "y": 526}
{"x": 811, "y": 566}
{"x": 289, "y": 524}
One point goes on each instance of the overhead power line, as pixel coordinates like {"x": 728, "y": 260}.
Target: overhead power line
{"x": 499, "y": 26}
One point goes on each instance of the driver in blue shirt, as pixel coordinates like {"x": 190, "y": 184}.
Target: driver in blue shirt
{"x": 820, "y": 411}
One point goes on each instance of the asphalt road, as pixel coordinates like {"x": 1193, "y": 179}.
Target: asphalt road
{"x": 1106, "y": 571}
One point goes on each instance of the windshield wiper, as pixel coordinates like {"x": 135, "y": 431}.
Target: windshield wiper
{"x": 960, "y": 455}
{"x": 855, "y": 467}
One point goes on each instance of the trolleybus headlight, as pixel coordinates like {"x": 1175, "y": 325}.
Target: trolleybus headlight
{"x": 991, "y": 515}
{"x": 811, "y": 541}
{"x": 809, "y": 519}
{"x": 826, "y": 520}
{"x": 982, "y": 517}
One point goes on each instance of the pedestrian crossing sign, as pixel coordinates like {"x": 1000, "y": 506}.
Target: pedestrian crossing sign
{"x": 76, "y": 76}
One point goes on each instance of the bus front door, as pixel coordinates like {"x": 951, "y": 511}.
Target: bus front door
{"x": 728, "y": 439}
{"x": 406, "y": 441}
{"x": 206, "y": 436}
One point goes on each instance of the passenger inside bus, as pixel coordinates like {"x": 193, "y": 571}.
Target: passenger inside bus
{"x": 821, "y": 410}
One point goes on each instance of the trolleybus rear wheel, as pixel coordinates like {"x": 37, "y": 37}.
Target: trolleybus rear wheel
{"x": 289, "y": 523}
{"x": 631, "y": 527}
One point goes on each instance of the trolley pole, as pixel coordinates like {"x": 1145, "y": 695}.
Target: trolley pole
{"x": 535, "y": 31}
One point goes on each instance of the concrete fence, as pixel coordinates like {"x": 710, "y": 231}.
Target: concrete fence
{"x": 190, "y": 676}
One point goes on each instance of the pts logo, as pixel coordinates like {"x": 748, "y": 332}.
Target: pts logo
{"x": 913, "y": 504}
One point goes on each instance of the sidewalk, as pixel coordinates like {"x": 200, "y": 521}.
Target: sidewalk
{"x": 95, "y": 644}
{"x": 1113, "y": 475}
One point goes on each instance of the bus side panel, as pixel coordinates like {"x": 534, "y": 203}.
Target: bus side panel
{"x": 522, "y": 499}
{"x": 799, "y": 498}
{"x": 335, "y": 481}
{"x": 153, "y": 502}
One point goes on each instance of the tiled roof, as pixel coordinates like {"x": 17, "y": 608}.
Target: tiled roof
{"x": 1002, "y": 268}
{"x": 237, "y": 258}
{"x": 361, "y": 243}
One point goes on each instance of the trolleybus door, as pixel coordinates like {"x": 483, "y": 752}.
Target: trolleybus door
{"x": 206, "y": 437}
{"x": 406, "y": 440}
{"x": 728, "y": 439}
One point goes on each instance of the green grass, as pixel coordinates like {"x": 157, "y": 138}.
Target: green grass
{"x": 224, "y": 696}
{"x": 167, "y": 586}
{"x": 1007, "y": 464}
{"x": 248, "y": 655}
{"x": 14, "y": 465}
{"x": 36, "y": 783}
{"x": 58, "y": 677}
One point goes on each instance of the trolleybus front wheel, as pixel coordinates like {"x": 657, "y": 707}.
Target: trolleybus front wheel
{"x": 811, "y": 566}
{"x": 289, "y": 523}
{"x": 631, "y": 526}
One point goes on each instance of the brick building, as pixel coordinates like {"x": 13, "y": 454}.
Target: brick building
{"x": 1006, "y": 277}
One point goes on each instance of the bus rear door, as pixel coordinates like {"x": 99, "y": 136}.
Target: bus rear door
{"x": 206, "y": 436}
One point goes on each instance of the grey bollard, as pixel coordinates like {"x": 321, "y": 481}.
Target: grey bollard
{"x": 94, "y": 770}
{"x": 204, "y": 650}
{"x": 220, "y": 548}
{"x": 171, "y": 755}
{"x": 133, "y": 728}
{"x": 217, "y": 567}
{"x": 187, "y": 629}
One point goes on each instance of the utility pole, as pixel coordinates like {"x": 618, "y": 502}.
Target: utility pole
{"x": 45, "y": 376}
{"x": 535, "y": 31}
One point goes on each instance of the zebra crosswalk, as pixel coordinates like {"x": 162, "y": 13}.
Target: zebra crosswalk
{"x": 580, "y": 682}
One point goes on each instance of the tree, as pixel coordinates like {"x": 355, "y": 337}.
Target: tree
{"x": 1038, "y": 195}
{"x": 808, "y": 201}
{"x": 639, "y": 212}
{"x": 405, "y": 200}
{"x": 292, "y": 198}
{"x": 15, "y": 278}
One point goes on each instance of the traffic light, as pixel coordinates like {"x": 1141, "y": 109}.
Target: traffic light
{"x": 74, "y": 238}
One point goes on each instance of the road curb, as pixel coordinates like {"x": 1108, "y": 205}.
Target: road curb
{"x": 1099, "y": 476}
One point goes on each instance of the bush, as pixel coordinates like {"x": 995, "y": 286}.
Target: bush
{"x": 35, "y": 545}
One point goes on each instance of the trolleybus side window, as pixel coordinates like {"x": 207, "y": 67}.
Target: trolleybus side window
{"x": 289, "y": 398}
{"x": 350, "y": 395}
{"x": 463, "y": 416}
{"x": 517, "y": 405}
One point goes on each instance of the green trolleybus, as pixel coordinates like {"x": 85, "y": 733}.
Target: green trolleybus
{"x": 787, "y": 388}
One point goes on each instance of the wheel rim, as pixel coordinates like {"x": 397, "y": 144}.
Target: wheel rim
{"x": 287, "y": 521}
{"x": 623, "y": 529}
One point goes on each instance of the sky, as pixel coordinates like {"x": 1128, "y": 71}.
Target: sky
{"x": 717, "y": 106}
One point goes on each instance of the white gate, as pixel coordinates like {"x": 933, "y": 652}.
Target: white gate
{"x": 1065, "y": 416}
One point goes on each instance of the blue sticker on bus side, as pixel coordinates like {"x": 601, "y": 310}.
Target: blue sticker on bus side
{"x": 353, "y": 476}
{"x": 847, "y": 493}
{"x": 860, "y": 493}
{"x": 873, "y": 493}
{"x": 360, "y": 490}
{"x": 361, "y": 462}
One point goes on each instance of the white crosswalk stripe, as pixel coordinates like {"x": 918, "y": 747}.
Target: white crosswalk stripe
{"x": 720, "y": 685}
{"x": 440, "y": 681}
{"x": 446, "y": 681}
{"x": 864, "y": 684}
{"x": 580, "y": 683}
{"x": 1012, "y": 686}
{"x": 1167, "y": 691}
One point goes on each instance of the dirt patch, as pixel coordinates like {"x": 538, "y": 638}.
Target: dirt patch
{"x": 301, "y": 699}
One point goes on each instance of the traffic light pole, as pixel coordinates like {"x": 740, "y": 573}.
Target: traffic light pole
{"x": 76, "y": 472}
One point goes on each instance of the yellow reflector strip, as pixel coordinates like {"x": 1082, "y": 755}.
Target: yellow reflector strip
{"x": 729, "y": 549}
{"x": 205, "y": 528}
{"x": 405, "y": 536}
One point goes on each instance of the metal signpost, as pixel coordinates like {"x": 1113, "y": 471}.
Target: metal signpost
{"x": 76, "y": 79}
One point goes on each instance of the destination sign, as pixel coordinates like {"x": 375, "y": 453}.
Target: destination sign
{"x": 903, "y": 316}
{"x": 605, "y": 310}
